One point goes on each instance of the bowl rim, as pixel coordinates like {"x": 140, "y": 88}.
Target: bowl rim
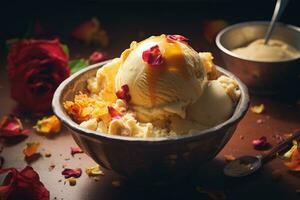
{"x": 249, "y": 23}
{"x": 58, "y": 110}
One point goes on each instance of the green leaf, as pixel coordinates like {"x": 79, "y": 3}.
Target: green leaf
{"x": 65, "y": 48}
{"x": 78, "y": 64}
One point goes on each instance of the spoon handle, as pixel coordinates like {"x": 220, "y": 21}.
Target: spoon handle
{"x": 279, "y": 8}
{"x": 281, "y": 146}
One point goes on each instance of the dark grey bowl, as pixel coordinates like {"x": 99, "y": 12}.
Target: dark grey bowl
{"x": 158, "y": 159}
{"x": 262, "y": 77}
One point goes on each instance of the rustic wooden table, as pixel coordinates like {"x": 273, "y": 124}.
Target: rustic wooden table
{"x": 281, "y": 116}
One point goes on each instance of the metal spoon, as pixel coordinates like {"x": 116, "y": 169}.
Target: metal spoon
{"x": 279, "y": 8}
{"x": 250, "y": 164}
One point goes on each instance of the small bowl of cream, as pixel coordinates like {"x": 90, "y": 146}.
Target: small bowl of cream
{"x": 265, "y": 68}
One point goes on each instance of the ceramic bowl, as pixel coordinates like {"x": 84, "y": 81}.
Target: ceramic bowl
{"x": 156, "y": 159}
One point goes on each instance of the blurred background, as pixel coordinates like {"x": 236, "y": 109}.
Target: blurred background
{"x": 149, "y": 16}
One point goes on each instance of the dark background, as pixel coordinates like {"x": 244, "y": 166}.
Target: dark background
{"x": 115, "y": 14}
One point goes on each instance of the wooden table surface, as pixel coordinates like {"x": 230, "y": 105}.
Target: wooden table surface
{"x": 282, "y": 115}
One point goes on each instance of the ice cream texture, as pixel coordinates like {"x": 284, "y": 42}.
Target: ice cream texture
{"x": 275, "y": 50}
{"x": 158, "y": 87}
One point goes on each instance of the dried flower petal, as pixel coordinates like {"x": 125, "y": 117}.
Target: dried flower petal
{"x": 94, "y": 171}
{"x": 11, "y": 126}
{"x": 75, "y": 150}
{"x": 51, "y": 167}
{"x": 258, "y": 109}
{"x": 31, "y": 148}
{"x": 47, "y": 154}
{"x": 294, "y": 163}
{"x": 72, "y": 181}
{"x": 114, "y": 113}
{"x": 153, "y": 56}
{"x": 48, "y": 125}
{"x": 292, "y": 157}
{"x": 260, "y": 143}
{"x": 178, "y": 38}
{"x": 97, "y": 57}
{"x": 229, "y": 157}
{"x": 76, "y": 173}
{"x": 25, "y": 184}
{"x": 287, "y": 156}
{"x": 123, "y": 93}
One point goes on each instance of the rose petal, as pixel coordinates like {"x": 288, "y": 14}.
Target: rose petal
{"x": 260, "y": 143}
{"x": 123, "y": 93}
{"x": 48, "y": 125}
{"x": 178, "y": 38}
{"x": 31, "y": 148}
{"x": 22, "y": 185}
{"x": 75, "y": 150}
{"x": 153, "y": 56}
{"x": 11, "y": 126}
{"x": 94, "y": 171}
{"x": 97, "y": 57}
{"x": 113, "y": 113}
{"x": 76, "y": 173}
{"x": 258, "y": 109}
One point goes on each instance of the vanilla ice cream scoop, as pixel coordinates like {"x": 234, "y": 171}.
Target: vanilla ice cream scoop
{"x": 275, "y": 50}
{"x": 216, "y": 104}
{"x": 167, "y": 84}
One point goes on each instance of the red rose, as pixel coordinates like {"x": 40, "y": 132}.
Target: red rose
{"x": 25, "y": 184}
{"x": 35, "y": 69}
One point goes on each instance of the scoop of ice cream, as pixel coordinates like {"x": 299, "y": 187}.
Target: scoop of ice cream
{"x": 168, "y": 84}
{"x": 275, "y": 50}
{"x": 216, "y": 104}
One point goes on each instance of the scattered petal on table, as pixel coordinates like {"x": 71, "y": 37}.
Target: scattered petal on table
{"x": 48, "y": 125}
{"x": 258, "y": 109}
{"x": 260, "y": 142}
{"x": 75, "y": 150}
{"x": 72, "y": 181}
{"x": 31, "y": 148}
{"x": 76, "y": 173}
{"x": 94, "y": 171}
{"x": 11, "y": 126}
{"x": 292, "y": 158}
